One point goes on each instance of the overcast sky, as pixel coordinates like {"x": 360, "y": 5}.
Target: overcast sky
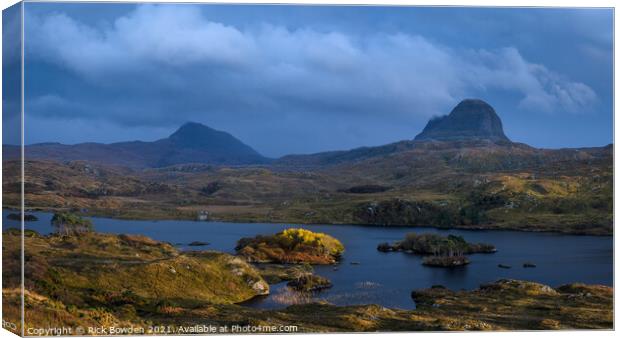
{"x": 299, "y": 79}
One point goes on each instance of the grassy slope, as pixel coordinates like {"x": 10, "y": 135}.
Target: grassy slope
{"x": 515, "y": 187}
{"x": 119, "y": 276}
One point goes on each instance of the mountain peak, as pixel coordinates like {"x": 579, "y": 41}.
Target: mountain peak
{"x": 470, "y": 119}
{"x": 191, "y": 129}
{"x": 191, "y": 124}
{"x": 198, "y": 135}
{"x": 196, "y": 142}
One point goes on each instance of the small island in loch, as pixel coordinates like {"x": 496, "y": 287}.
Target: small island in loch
{"x": 448, "y": 251}
{"x": 18, "y": 217}
{"x": 291, "y": 246}
{"x": 310, "y": 283}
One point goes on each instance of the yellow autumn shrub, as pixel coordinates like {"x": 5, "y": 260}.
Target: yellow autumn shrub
{"x": 298, "y": 236}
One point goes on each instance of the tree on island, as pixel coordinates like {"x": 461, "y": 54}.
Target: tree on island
{"x": 68, "y": 224}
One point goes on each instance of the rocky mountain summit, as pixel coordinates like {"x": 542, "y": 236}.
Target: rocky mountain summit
{"x": 471, "y": 119}
{"x": 472, "y": 124}
{"x": 195, "y": 142}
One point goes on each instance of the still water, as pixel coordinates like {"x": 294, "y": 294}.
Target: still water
{"x": 388, "y": 278}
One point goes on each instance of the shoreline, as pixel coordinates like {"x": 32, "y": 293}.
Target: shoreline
{"x": 474, "y": 229}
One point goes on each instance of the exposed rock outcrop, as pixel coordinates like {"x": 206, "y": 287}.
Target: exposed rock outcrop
{"x": 471, "y": 119}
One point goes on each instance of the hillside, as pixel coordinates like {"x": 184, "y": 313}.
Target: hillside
{"x": 514, "y": 187}
{"x": 191, "y": 143}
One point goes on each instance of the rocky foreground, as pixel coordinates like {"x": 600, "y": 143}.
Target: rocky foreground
{"x": 96, "y": 280}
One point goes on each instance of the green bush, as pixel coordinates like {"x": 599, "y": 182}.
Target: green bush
{"x": 68, "y": 224}
{"x": 438, "y": 245}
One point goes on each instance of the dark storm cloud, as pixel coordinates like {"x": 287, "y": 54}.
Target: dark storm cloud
{"x": 11, "y": 75}
{"x": 162, "y": 65}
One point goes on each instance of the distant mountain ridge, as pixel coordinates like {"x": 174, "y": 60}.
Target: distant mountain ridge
{"x": 472, "y": 124}
{"x": 191, "y": 143}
